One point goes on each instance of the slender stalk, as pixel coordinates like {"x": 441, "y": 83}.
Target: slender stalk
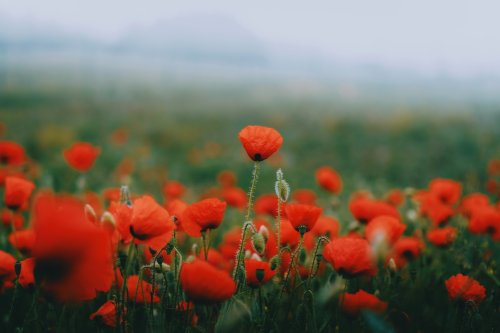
{"x": 278, "y": 231}
{"x": 128, "y": 264}
{"x": 291, "y": 266}
{"x": 204, "y": 243}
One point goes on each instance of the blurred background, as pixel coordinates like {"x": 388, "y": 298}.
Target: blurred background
{"x": 389, "y": 93}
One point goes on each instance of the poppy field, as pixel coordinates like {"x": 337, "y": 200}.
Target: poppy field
{"x": 251, "y": 222}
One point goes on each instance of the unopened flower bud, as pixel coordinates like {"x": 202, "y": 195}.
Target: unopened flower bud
{"x": 90, "y": 214}
{"x": 248, "y": 254}
{"x": 259, "y": 243}
{"x": 281, "y": 187}
{"x": 264, "y": 232}
{"x": 108, "y": 221}
{"x": 274, "y": 262}
{"x": 194, "y": 249}
{"x": 125, "y": 196}
{"x": 255, "y": 256}
{"x": 392, "y": 265}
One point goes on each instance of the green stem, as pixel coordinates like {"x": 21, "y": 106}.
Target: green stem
{"x": 278, "y": 230}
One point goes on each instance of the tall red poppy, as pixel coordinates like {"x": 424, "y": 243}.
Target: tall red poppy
{"x": 17, "y": 192}
{"x": 384, "y": 227}
{"x": 258, "y": 272}
{"x": 26, "y": 278}
{"x": 353, "y": 304}
{"x": 81, "y": 156}
{"x": 302, "y": 217}
{"x": 203, "y": 283}
{"x": 329, "y": 179}
{"x": 203, "y": 215}
{"x": 23, "y": 240}
{"x": 486, "y": 220}
{"x": 260, "y": 142}
{"x": 473, "y": 201}
{"x": 173, "y": 190}
{"x": 235, "y": 197}
{"x": 350, "y": 257}
{"x": 268, "y": 204}
{"x": 11, "y": 153}
{"x": 464, "y": 288}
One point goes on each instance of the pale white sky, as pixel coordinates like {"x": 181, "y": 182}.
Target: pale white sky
{"x": 455, "y": 35}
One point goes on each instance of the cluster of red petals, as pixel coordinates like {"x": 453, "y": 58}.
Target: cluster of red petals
{"x": 258, "y": 272}
{"x": 140, "y": 291}
{"x": 173, "y": 190}
{"x": 267, "y": 204}
{"x": 73, "y": 257}
{"x": 215, "y": 258}
{"x": 81, "y": 156}
{"x": 303, "y": 216}
{"x": 11, "y": 153}
{"x": 350, "y": 257}
{"x": 395, "y": 197}
{"x": 17, "y": 192}
{"x": 472, "y": 202}
{"x": 8, "y": 217}
{"x": 384, "y": 227}
{"x": 464, "y": 288}
{"x": 329, "y": 179}
{"x": 235, "y": 197}
{"x": 7, "y": 270}
{"x": 23, "y": 241}
{"x": 203, "y": 215}
{"x": 433, "y": 207}
{"x": 289, "y": 236}
{"x": 304, "y": 196}
{"x": 150, "y": 223}
{"x": 203, "y": 283}
{"x": 360, "y": 301}
{"x": 106, "y": 314}
{"x": 442, "y": 237}
{"x": 365, "y": 209}
{"x": 446, "y": 190}
{"x": 406, "y": 249}
{"x": 326, "y": 226}
{"x": 486, "y": 221}
{"x": 260, "y": 142}
{"x": 26, "y": 278}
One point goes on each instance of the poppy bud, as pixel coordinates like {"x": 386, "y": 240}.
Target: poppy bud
{"x": 302, "y": 255}
{"x": 392, "y": 265}
{"x": 264, "y": 232}
{"x": 274, "y": 262}
{"x": 108, "y": 221}
{"x": 194, "y": 249}
{"x": 125, "y": 196}
{"x": 281, "y": 187}
{"x": 259, "y": 243}
{"x": 90, "y": 214}
{"x": 248, "y": 254}
{"x": 255, "y": 256}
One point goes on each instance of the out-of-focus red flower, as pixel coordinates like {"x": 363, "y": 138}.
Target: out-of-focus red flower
{"x": 384, "y": 227}
{"x": 11, "y": 153}
{"x": 119, "y": 136}
{"x": 8, "y": 217}
{"x": 17, "y": 192}
{"x": 268, "y": 204}
{"x": 494, "y": 168}
{"x": 486, "y": 220}
{"x": 442, "y": 237}
{"x": 203, "y": 215}
{"x": 106, "y": 314}
{"x": 73, "y": 256}
{"x": 173, "y": 190}
{"x": 466, "y": 289}
{"x": 226, "y": 178}
{"x": 353, "y": 304}
{"x": 447, "y": 190}
{"x": 304, "y": 196}
{"x": 140, "y": 292}
{"x": 176, "y": 209}
{"x": 230, "y": 243}
{"x": 395, "y": 197}
{"x": 258, "y": 272}
{"x": 406, "y": 249}
{"x": 150, "y": 222}
{"x": 473, "y": 201}
{"x": 112, "y": 194}
{"x": 326, "y": 226}
{"x": 7, "y": 269}
{"x": 260, "y": 142}
{"x": 289, "y": 236}
{"x": 26, "y": 277}
{"x": 302, "y": 217}
{"x": 365, "y": 209}
{"x": 350, "y": 257}
{"x": 81, "y": 156}
{"x": 329, "y": 179}
{"x": 203, "y": 283}
{"x": 216, "y": 259}
{"x": 433, "y": 207}
{"x": 235, "y": 197}
{"x": 23, "y": 241}
{"x": 492, "y": 186}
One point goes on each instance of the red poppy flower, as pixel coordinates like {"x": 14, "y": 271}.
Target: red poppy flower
{"x": 216, "y": 259}
{"x": 486, "y": 220}
{"x": 260, "y": 142}
{"x": 150, "y": 221}
{"x": 464, "y": 288}
{"x": 365, "y": 209}
{"x": 289, "y": 236}
{"x": 350, "y": 257}
{"x": 302, "y": 217}
{"x": 268, "y": 204}
{"x": 81, "y": 156}
{"x": 494, "y": 168}
{"x": 406, "y": 249}
{"x": 140, "y": 292}
{"x": 353, "y": 304}
{"x": 326, "y": 226}
{"x": 395, "y": 197}
{"x": 203, "y": 283}
{"x": 235, "y": 197}
{"x": 11, "y": 153}
{"x": 9, "y": 217}
{"x": 258, "y": 272}
{"x": 26, "y": 277}
{"x": 203, "y": 215}
{"x": 473, "y": 201}
{"x": 106, "y": 314}
{"x": 226, "y": 178}
{"x": 447, "y": 190}
{"x": 7, "y": 269}
{"x": 230, "y": 243}
{"x": 304, "y": 196}
{"x": 17, "y": 192}
{"x": 329, "y": 179}
{"x": 442, "y": 237}
{"x": 384, "y": 227}
{"x": 73, "y": 256}
{"x": 173, "y": 190}
{"x": 23, "y": 241}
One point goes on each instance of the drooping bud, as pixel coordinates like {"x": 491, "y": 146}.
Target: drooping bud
{"x": 125, "y": 196}
{"x": 259, "y": 243}
{"x": 248, "y": 254}
{"x": 264, "y": 232}
{"x": 274, "y": 262}
{"x": 281, "y": 186}
{"x": 90, "y": 214}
